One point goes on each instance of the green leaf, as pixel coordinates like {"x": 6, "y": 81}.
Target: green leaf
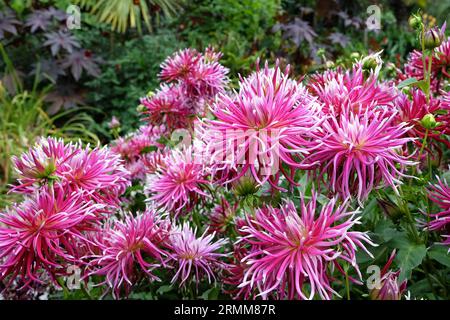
{"x": 387, "y": 231}
{"x": 407, "y": 82}
{"x": 163, "y": 289}
{"x": 423, "y": 85}
{"x": 408, "y": 258}
{"x": 440, "y": 254}
{"x": 210, "y": 294}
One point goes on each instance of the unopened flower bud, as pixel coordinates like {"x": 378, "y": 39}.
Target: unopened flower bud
{"x": 429, "y": 121}
{"x": 329, "y": 64}
{"x": 433, "y": 37}
{"x": 140, "y": 108}
{"x": 246, "y": 186}
{"x": 371, "y": 62}
{"x": 114, "y": 123}
{"x": 355, "y": 55}
{"x": 415, "y": 22}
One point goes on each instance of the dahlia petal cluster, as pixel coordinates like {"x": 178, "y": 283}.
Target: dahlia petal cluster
{"x": 412, "y": 110}
{"x": 358, "y": 152}
{"x": 176, "y": 186}
{"x": 440, "y": 62}
{"x": 42, "y": 163}
{"x": 98, "y": 173}
{"x": 290, "y": 251}
{"x": 42, "y": 235}
{"x": 137, "y": 146}
{"x": 168, "y": 107}
{"x": 199, "y": 75}
{"x": 390, "y": 288}
{"x": 439, "y": 193}
{"x": 341, "y": 91}
{"x": 222, "y": 216}
{"x": 120, "y": 250}
{"x": 195, "y": 256}
{"x": 264, "y": 126}
{"x": 70, "y": 191}
{"x": 235, "y": 271}
{"x": 192, "y": 81}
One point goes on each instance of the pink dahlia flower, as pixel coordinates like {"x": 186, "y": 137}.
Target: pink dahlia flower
{"x": 350, "y": 91}
{"x": 100, "y": 173}
{"x": 412, "y": 110}
{"x": 41, "y": 237}
{"x": 176, "y": 187}
{"x": 207, "y": 80}
{"x": 135, "y": 148}
{"x": 222, "y": 216}
{"x": 439, "y": 65}
{"x": 180, "y": 65}
{"x": 440, "y": 194}
{"x": 45, "y": 161}
{"x": 235, "y": 272}
{"x": 169, "y": 107}
{"x": 194, "y": 256}
{"x": 199, "y": 75}
{"x": 154, "y": 161}
{"x": 263, "y": 127}
{"x": 358, "y": 152}
{"x": 122, "y": 250}
{"x": 390, "y": 287}
{"x": 291, "y": 254}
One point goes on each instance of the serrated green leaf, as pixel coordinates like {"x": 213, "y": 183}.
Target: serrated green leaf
{"x": 407, "y": 82}
{"x": 408, "y": 258}
{"x": 440, "y": 254}
{"x": 163, "y": 289}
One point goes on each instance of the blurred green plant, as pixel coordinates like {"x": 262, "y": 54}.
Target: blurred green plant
{"x": 23, "y": 119}
{"x": 125, "y": 14}
{"x": 129, "y": 73}
{"x": 238, "y": 28}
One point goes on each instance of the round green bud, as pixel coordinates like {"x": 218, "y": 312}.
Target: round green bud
{"x": 415, "y": 22}
{"x": 429, "y": 121}
{"x": 433, "y": 38}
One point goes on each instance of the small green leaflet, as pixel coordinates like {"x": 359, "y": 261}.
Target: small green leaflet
{"x": 407, "y": 82}
{"x": 408, "y": 258}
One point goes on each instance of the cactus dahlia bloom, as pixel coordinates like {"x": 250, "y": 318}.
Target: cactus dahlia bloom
{"x": 440, "y": 65}
{"x": 440, "y": 194}
{"x": 390, "y": 288}
{"x": 350, "y": 91}
{"x": 169, "y": 107}
{"x": 194, "y": 256}
{"x": 413, "y": 110}
{"x": 359, "y": 152}
{"x": 98, "y": 172}
{"x": 222, "y": 216}
{"x": 198, "y": 75}
{"x": 176, "y": 186}
{"x": 180, "y": 65}
{"x": 234, "y": 273}
{"x": 43, "y": 162}
{"x": 126, "y": 247}
{"x": 291, "y": 253}
{"x": 265, "y": 125}
{"x": 41, "y": 236}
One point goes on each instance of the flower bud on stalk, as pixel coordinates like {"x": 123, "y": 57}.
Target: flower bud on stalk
{"x": 429, "y": 121}
{"x": 245, "y": 186}
{"x": 433, "y": 37}
{"x": 390, "y": 286}
{"x": 114, "y": 123}
{"x": 415, "y": 22}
